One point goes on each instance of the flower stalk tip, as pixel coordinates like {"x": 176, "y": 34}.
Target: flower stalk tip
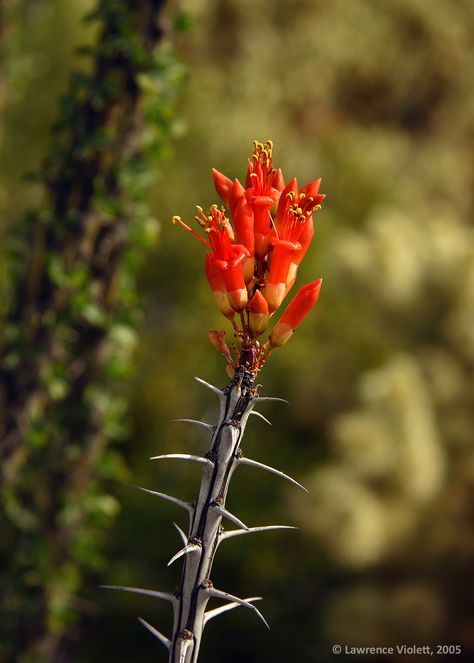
{"x": 254, "y": 253}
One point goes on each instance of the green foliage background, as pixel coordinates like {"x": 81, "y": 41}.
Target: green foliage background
{"x": 376, "y": 98}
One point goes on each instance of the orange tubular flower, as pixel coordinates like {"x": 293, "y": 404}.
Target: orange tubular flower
{"x": 233, "y": 193}
{"x": 307, "y": 234}
{"x": 262, "y": 192}
{"x": 233, "y": 276}
{"x": 242, "y": 218}
{"x": 218, "y": 287}
{"x": 295, "y": 313}
{"x": 226, "y": 257}
{"x": 293, "y": 234}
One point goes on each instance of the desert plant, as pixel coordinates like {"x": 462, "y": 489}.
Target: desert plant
{"x": 251, "y": 265}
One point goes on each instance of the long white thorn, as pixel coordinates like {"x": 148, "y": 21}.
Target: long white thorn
{"x": 260, "y": 416}
{"x": 217, "y": 391}
{"x": 252, "y": 530}
{"x": 146, "y": 592}
{"x": 196, "y": 422}
{"x": 226, "y": 514}
{"x": 218, "y": 594}
{"x": 210, "y": 614}
{"x": 169, "y": 498}
{"x": 162, "y": 638}
{"x": 272, "y": 470}
{"x": 197, "y": 459}
{"x": 188, "y": 548}
{"x": 183, "y": 536}
{"x": 267, "y": 399}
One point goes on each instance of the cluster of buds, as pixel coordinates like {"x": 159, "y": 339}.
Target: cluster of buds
{"x": 253, "y": 258}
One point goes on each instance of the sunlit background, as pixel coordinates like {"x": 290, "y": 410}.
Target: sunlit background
{"x": 377, "y": 98}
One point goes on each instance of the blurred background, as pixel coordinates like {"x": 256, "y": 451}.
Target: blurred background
{"x": 377, "y": 98}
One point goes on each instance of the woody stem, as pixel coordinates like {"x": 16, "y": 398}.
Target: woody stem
{"x": 205, "y": 530}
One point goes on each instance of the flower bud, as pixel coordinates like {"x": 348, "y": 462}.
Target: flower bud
{"x": 233, "y": 276}
{"x": 237, "y": 192}
{"x": 223, "y": 184}
{"x": 238, "y": 299}
{"x": 259, "y": 314}
{"x": 242, "y": 218}
{"x": 278, "y": 181}
{"x": 279, "y": 275}
{"x": 295, "y": 313}
{"x": 262, "y": 223}
{"x": 274, "y": 294}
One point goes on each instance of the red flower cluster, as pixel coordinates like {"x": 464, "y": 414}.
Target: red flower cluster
{"x": 253, "y": 260}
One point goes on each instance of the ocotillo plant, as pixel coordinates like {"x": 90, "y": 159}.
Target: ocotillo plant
{"x": 251, "y": 265}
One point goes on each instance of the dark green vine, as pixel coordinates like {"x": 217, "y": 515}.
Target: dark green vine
{"x": 70, "y": 331}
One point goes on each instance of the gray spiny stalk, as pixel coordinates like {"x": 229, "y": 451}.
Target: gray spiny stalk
{"x": 206, "y": 531}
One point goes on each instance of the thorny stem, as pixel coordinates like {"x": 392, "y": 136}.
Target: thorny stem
{"x": 206, "y": 513}
{"x": 205, "y": 527}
